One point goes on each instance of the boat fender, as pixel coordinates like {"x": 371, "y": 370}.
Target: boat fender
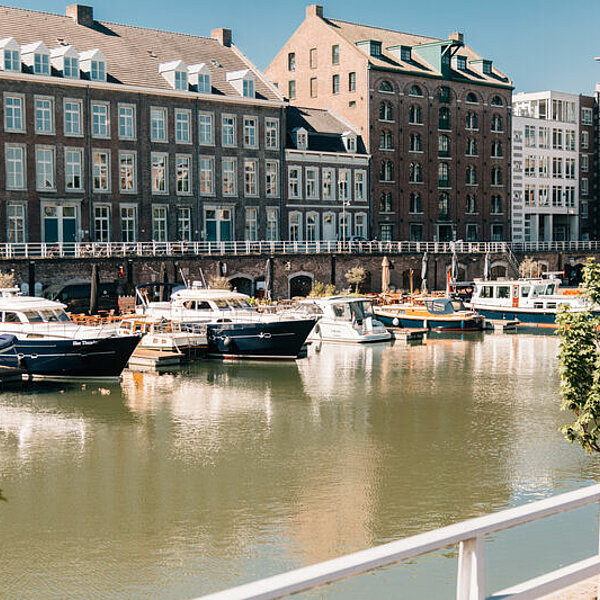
{"x": 226, "y": 341}
{"x": 396, "y": 322}
{"x": 317, "y": 330}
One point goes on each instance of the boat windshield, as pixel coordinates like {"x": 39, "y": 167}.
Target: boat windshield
{"x": 222, "y": 305}
{"x": 361, "y": 309}
{"x": 239, "y": 304}
{"x": 457, "y": 305}
{"x": 538, "y": 290}
{"x": 49, "y": 315}
{"x": 550, "y": 289}
{"x": 525, "y": 289}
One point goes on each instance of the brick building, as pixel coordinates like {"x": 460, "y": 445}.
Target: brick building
{"x": 435, "y": 117}
{"x": 118, "y": 133}
{"x": 327, "y": 172}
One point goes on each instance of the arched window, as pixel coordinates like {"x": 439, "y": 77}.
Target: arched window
{"x": 385, "y": 86}
{"x": 444, "y": 94}
{"x": 386, "y": 112}
{"x": 472, "y": 98}
{"x": 386, "y": 140}
{"x": 443, "y": 206}
{"x": 497, "y": 101}
{"x": 497, "y": 176}
{"x": 443, "y": 175}
{"x": 471, "y": 120}
{"x": 497, "y": 123}
{"x": 416, "y": 173}
{"x": 444, "y": 122}
{"x": 415, "y": 115}
{"x": 471, "y": 175}
{"x": 443, "y": 145}
{"x": 471, "y": 204}
{"x": 387, "y": 171}
{"x": 496, "y": 205}
{"x": 415, "y": 90}
{"x": 497, "y": 149}
{"x": 385, "y": 203}
{"x": 415, "y": 204}
{"x": 471, "y": 147}
{"x": 416, "y": 144}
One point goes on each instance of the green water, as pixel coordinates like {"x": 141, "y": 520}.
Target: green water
{"x": 176, "y": 485}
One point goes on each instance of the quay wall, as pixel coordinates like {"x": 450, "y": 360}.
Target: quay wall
{"x": 289, "y": 272}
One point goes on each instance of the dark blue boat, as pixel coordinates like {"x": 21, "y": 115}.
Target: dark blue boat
{"x": 281, "y": 339}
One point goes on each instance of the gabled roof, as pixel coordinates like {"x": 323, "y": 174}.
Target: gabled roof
{"x": 324, "y": 130}
{"x": 134, "y": 53}
{"x": 355, "y": 33}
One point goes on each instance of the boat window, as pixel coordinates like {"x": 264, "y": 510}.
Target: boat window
{"x": 538, "y": 290}
{"x": 188, "y": 304}
{"x": 222, "y": 305}
{"x": 503, "y": 291}
{"x": 63, "y": 316}
{"x": 33, "y": 316}
{"x": 457, "y": 305}
{"x": 203, "y": 305}
{"x": 11, "y": 317}
{"x": 525, "y": 289}
{"x": 48, "y": 316}
{"x": 550, "y": 289}
{"x": 341, "y": 311}
{"x": 487, "y": 291}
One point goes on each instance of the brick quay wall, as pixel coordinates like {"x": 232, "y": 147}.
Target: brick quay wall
{"x": 291, "y": 274}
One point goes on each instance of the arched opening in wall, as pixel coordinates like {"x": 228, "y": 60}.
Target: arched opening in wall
{"x": 244, "y": 285}
{"x": 300, "y": 285}
{"x": 416, "y": 280}
{"x": 499, "y": 270}
{"x": 573, "y": 274}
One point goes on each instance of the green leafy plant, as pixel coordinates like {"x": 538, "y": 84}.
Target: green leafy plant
{"x": 320, "y": 289}
{"x": 579, "y": 364}
{"x": 219, "y": 283}
{"x": 356, "y": 276}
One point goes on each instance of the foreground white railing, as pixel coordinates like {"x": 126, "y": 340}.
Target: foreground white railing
{"x": 183, "y": 249}
{"x": 469, "y": 535}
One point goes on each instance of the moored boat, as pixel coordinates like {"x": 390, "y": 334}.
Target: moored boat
{"x": 447, "y": 314}
{"x": 48, "y": 343}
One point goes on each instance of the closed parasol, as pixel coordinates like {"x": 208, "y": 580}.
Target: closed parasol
{"x": 385, "y": 274}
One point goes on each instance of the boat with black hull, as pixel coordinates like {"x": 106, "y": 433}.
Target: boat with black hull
{"x": 49, "y": 344}
{"x": 234, "y": 329}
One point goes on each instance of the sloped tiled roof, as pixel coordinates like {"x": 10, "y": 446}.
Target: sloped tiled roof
{"x": 354, "y": 33}
{"x": 324, "y": 129}
{"x": 132, "y": 53}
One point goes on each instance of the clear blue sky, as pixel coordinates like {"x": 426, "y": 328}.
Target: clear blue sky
{"x": 548, "y": 44}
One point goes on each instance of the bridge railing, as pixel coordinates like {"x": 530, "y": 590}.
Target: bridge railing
{"x": 469, "y": 536}
{"x": 174, "y": 248}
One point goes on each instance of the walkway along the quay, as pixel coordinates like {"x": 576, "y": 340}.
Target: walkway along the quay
{"x": 469, "y": 536}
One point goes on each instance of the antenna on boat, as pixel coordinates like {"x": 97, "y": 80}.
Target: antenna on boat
{"x": 185, "y": 281}
{"x": 202, "y": 278}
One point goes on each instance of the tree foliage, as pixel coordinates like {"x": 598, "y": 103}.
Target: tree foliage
{"x": 356, "y": 276}
{"x": 320, "y": 290}
{"x": 217, "y": 282}
{"x": 529, "y": 267}
{"x": 579, "y": 364}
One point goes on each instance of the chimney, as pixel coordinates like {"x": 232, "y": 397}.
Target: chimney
{"x": 223, "y": 36}
{"x": 457, "y": 36}
{"x": 82, "y": 15}
{"x": 314, "y": 10}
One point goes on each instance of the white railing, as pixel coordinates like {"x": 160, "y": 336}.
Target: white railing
{"x": 158, "y": 249}
{"x": 468, "y": 535}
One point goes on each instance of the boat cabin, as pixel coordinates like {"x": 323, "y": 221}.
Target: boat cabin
{"x": 340, "y": 308}
{"x": 24, "y": 310}
{"x": 531, "y": 293}
{"x": 444, "y": 306}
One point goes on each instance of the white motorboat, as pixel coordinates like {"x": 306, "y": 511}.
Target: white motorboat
{"x": 234, "y": 329}
{"x": 343, "y": 319}
{"x": 49, "y": 343}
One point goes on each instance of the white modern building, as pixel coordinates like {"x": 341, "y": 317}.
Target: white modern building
{"x": 549, "y": 166}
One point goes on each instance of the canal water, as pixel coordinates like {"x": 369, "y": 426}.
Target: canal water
{"x": 176, "y": 485}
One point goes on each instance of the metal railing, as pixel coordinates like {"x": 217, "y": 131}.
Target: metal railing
{"x": 190, "y": 249}
{"x": 468, "y": 535}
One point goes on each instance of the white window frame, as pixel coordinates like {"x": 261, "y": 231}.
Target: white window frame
{"x": 587, "y": 116}
{"x": 16, "y": 224}
{"x": 50, "y": 100}
{"x": 251, "y": 224}
{"x": 295, "y": 214}
{"x": 211, "y": 125}
{"x": 272, "y": 223}
{"x": 251, "y": 184}
{"x": 250, "y": 125}
{"x": 23, "y": 124}
{"x": 297, "y": 182}
{"x": 272, "y": 187}
{"x": 154, "y": 166}
{"x": 315, "y": 234}
{"x": 229, "y": 141}
{"x": 104, "y": 219}
{"x": 184, "y": 216}
{"x": 313, "y": 194}
{"x": 124, "y": 118}
{"x": 233, "y": 162}
{"x": 95, "y": 164}
{"x": 70, "y": 176}
{"x": 79, "y": 113}
{"x": 211, "y": 162}
{"x": 271, "y": 133}
{"x": 332, "y": 182}
{"x": 133, "y": 167}
{"x": 51, "y": 174}
{"x": 22, "y": 162}
{"x": 360, "y": 185}
{"x": 186, "y": 126}
{"x": 360, "y": 229}
{"x": 344, "y": 185}
{"x": 164, "y": 136}
{"x": 128, "y": 218}
{"x": 188, "y": 159}
{"x": 96, "y": 133}
{"x": 163, "y": 219}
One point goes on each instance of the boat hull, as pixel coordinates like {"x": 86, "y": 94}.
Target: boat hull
{"x": 400, "y": 321}
{"x": 101, "y": 357}
{"x": 259, "y": 340}
{"x": 539, "y": 317}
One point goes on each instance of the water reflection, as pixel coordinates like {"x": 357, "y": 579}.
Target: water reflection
{"x": 177, "y": 484}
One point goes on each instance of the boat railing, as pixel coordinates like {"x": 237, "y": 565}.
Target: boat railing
{"x": 470, "y": 537}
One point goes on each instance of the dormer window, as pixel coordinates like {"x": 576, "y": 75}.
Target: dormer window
{"x": 65, "y": 59}
{"x": 349, "y": 140}
{"x": 370, "y": 47}
{"x": 10, "y": 55}
{"x": 176, "y": 73}
{"x": 243, "y": 82}
{"x": 37, "y": 57}
{"x": 300, "y": 136}
{"x": 461, "y": 63}
{"x": 405, "y": 53}
{"x": 93, "y": 63}
{"x": 199, "y": 77}
{"x": 487, "y": 67}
